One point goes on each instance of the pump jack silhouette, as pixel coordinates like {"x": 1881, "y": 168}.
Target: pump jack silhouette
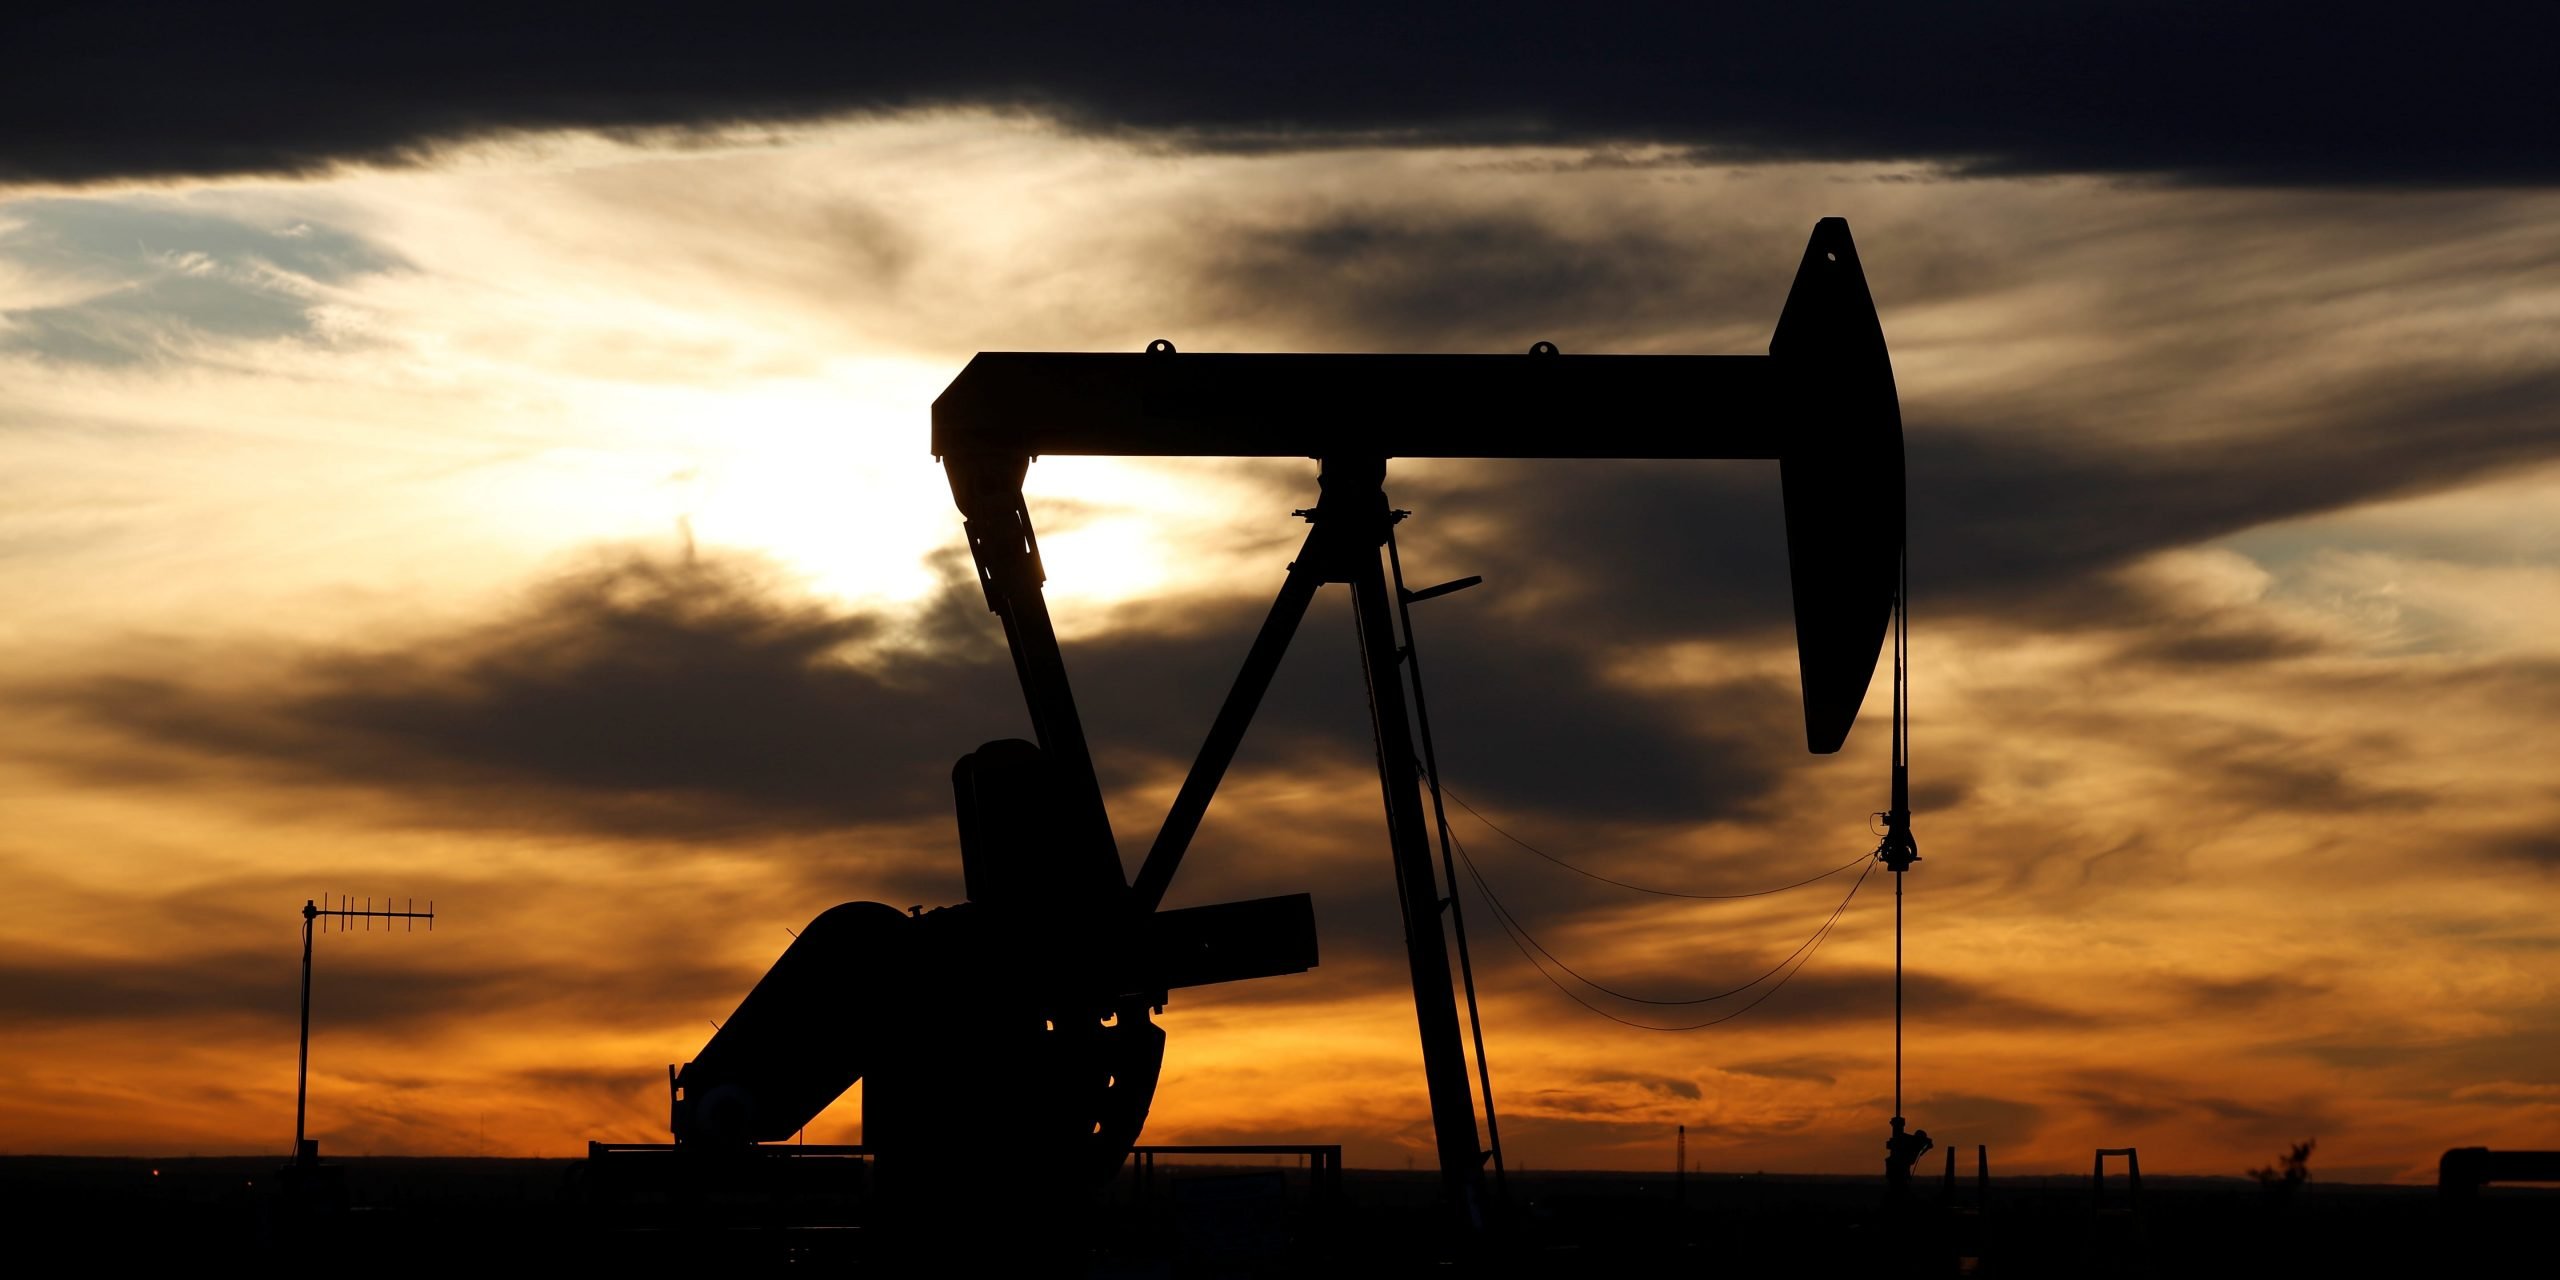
{"x": 1014, "y": 1027}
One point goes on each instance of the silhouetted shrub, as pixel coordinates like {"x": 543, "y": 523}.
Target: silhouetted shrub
{"x": 2285, "y": 1177}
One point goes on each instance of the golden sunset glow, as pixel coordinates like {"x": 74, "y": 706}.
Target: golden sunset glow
{"x": 549, "y": 528}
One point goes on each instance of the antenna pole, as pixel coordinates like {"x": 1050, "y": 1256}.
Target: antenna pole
{"x": 302, "y": 1066}
{"x": 305, "y": 1151}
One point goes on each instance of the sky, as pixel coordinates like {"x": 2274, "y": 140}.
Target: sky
{"x": 511, "y": 489}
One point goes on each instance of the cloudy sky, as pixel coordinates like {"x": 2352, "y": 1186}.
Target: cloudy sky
{"x": 488, "y": 462}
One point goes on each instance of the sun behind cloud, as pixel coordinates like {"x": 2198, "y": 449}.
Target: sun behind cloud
{"x": 550, "y": 528}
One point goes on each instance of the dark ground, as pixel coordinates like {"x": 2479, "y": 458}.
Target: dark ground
{"x": 415, "y": 1216}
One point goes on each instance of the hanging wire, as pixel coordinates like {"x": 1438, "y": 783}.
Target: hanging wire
{"x": 1606, "y": 989}
{"x": 1497, "y": 829}
{"x": 1429, "y": 764}
{"x": 1503, "y": 918}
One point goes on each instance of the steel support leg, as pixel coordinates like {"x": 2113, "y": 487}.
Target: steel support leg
{"x": 1353, "y": 493}
{"x": 1218, "y": 750}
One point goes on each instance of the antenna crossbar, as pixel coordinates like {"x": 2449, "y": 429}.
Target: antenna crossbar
{"x": 346, "y": 912}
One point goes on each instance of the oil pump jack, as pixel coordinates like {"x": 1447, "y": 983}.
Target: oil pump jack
{"x": 1014, "y": 1028}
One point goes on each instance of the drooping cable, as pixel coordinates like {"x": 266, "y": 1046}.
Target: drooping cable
{"x": 1502, "y": 917}
{"x": 1498, "y": 829}
{"x": 1522, "y": 931}
{"x": 1430, "y": 764}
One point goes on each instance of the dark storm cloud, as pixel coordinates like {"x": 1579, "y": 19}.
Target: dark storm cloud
{"x": 688, "y": 698}
{"x": 2212, "y": 642}
{"x": 2244, "y": 995}
{"x": 1585, "y": 1124}
{"x": 636, "y": 1098}
{"x": 1666, "y": 1086}
{"x": 1963, "y": 1119}
{"x": 2136, "y": 1099}
{"x": 2526, "y": 1056}
{"x": 1537, "y": 894}
{"x": 1816, "y": 996}
{"x": 692, "y": 700}
{"x": 1816, "y": 1070}
{"x": 1475, "y": 282}
{"x": 46, "y": 988}
{"x": 2304, "y": 776}
{"x": 2008, "y": 515}
{"x": 2509, "y": 1096}
{"x": 2154, "y": 445}
{"x": 2533, "y": 848}
{"x": 644, "y": 696}
{"x": 2007, "y": 523}
{"x": 2287, "y": 92}
{"x": 2259, "y": 769}
{"x": 1533, "y": 726}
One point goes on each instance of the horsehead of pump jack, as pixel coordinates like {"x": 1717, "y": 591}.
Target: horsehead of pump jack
{"x": 1038, "y": 989}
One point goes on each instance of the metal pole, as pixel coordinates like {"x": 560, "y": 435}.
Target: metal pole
{"x": 1354, "y": 492}
{"x": 1449, "y": 868}
{"x": 302, "y": 1066}
{"x": 1897, "y": 993}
